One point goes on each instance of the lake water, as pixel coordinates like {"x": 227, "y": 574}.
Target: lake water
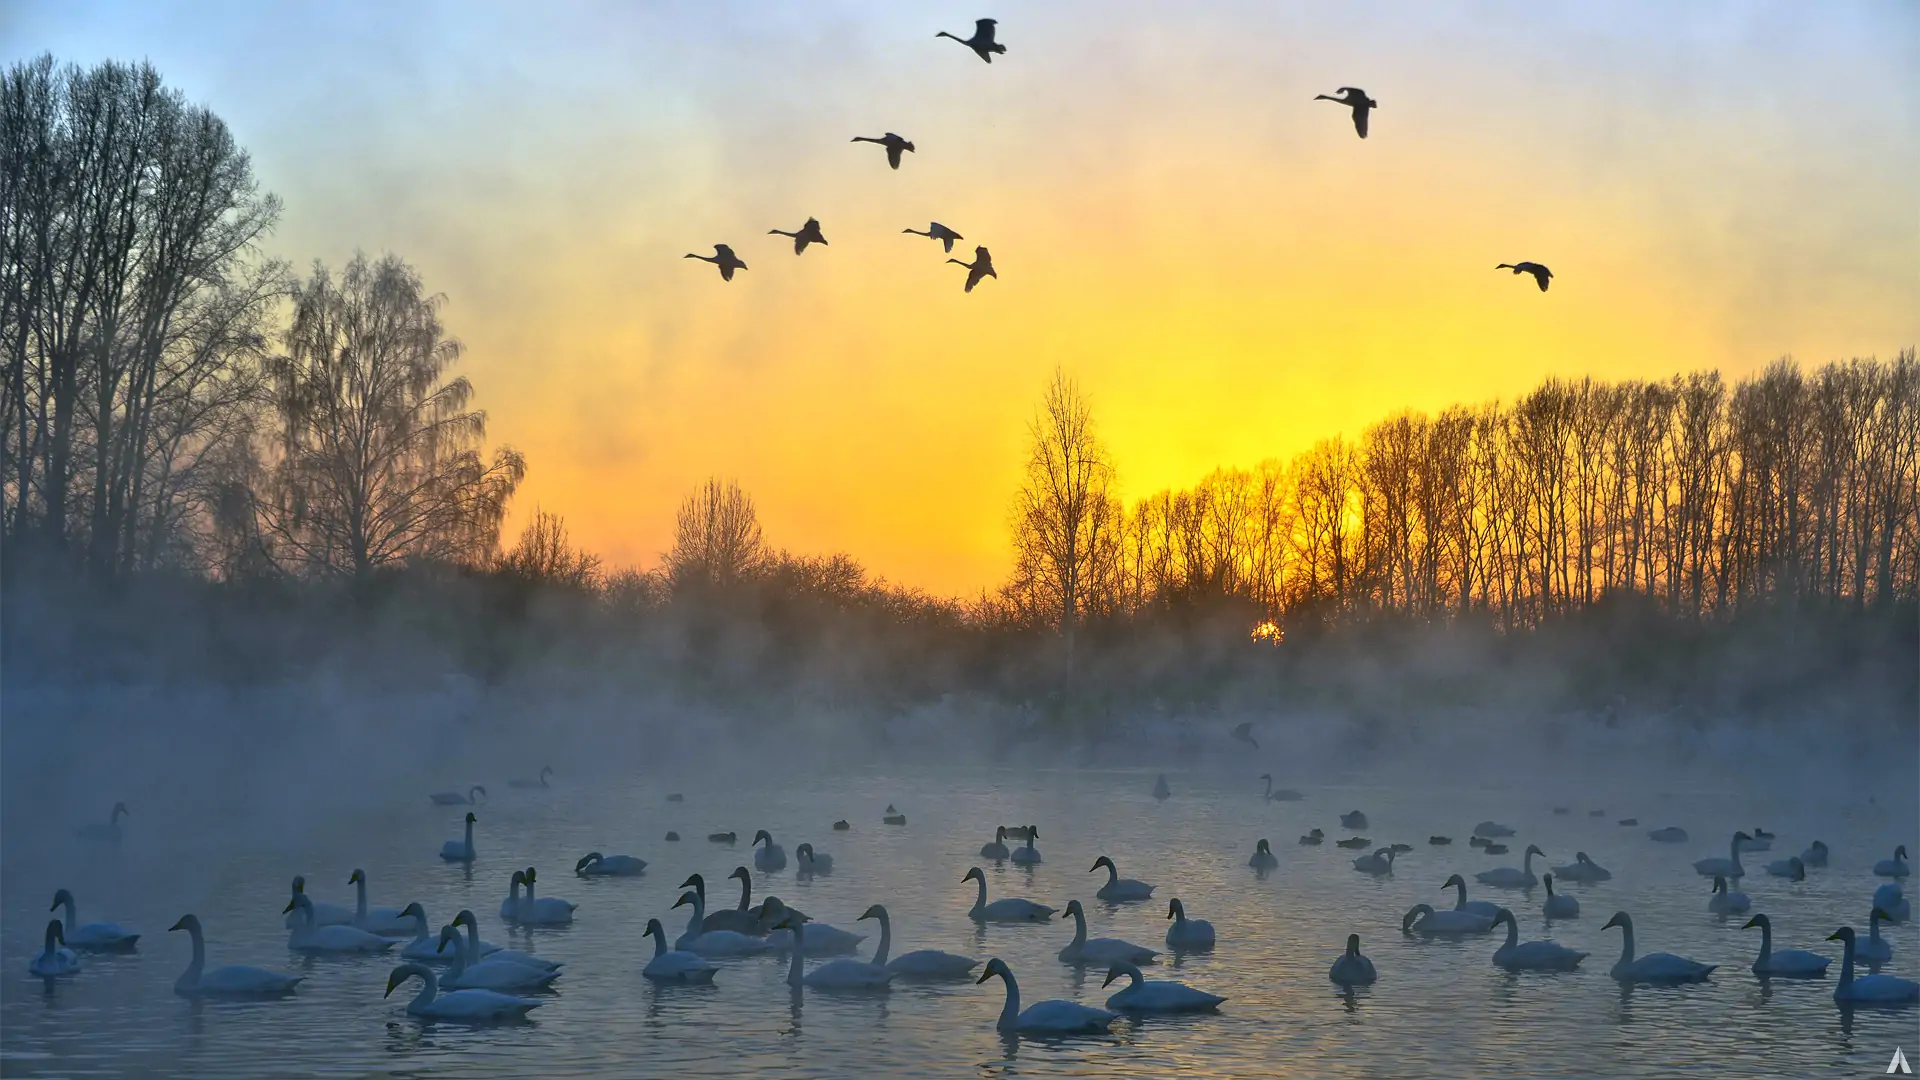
{"x": 1438, "y": 1010}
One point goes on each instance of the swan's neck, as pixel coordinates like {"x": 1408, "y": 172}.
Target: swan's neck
{"x": 1873, "y": 927}
{"x": 1269, "y": 787}
{"x": 1179, "y": 915}
{"x": 1626, "y": 944}
{"x": 72, "y": 919}
{"x": 1526, "y": 864}
{"x": 1733, "y": 855}
{"x": 659, "y": 943}
{"x": 473, "y": 944}
{"x": 1079, "y": 927}
{"x": 1846, "y": 965}
{"x": 1513, "y": 933}
{"x": 1134, "y": 978}
{"x": 799, "y": 953}
{"x": 699, "y": 918}
{"x": 469, "y": 848}
{"x": 1010, "y": 1012}
{"x": 886, "y": 939}
{"x": 458, "y": 965}
{"x": 528, "y": 902}
{"x": 514, "y": 893}
{"x": 420, "y": 928}
{"x": 192, "y": 976}
{"x": 746, "y": 892}
{"x": 360, "y": 899}
{"x": 430, "y": 985}
{"x": 1766, "y": 941}
{"x": 50, "y": 944}
{"x": 1113, "y": 873}
{"x": 980, "y": 901}
{"x": 1460, "y": 901}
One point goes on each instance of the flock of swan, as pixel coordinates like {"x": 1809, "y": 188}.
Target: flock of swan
{"x": 464, "y": 978}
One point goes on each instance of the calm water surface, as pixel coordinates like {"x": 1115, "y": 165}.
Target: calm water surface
{"x": 1438, "y": 1010}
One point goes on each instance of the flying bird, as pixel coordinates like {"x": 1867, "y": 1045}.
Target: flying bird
{"x": 894, "y": 144}
{"x": 1245, "y": 734}
{"x": 807, "y": 234}
{"x": 1356, "y": 99}
{"x": 981, "y": 42}
{"x": 937, "y": 231}
{"x": 980, "y": 267}
{"x": 1540, "y": 273}
{"x": 724, "y": 258}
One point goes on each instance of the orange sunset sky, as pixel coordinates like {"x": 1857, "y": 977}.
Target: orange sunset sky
{"x": 1228, "y": 272}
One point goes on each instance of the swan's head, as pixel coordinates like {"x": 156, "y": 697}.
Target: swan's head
{"x": 401, "y": 974}
{"x": 299, "y": 883}
{"x": 877, "y": 911}
{"x": 1119, "y": 970}
{"x": 804, "y": 851}
{"x": 1353, "y": 944}
{"x": 470, "y": 818}
{"x": 1174, "y": 907}
{"x": 449, "y": 935}
{"x": 1033, "y": 832}
{"x": 1620, "y": 919}
{"x": 1881, "y": 915}
{"x": 1106, "y": 862}
{"x": 654, "y": 929}
{"x": 763, "y": 835}
{"x": 1000, "y": 834}
{"x": 1503, "y": 914}
{"x": 1535, "y": 850}
{"x": 995, "y": 966}
{"x": 891, "y": 810}
{"x": 771, "y": 908}
{"x": 687, "y": 898}
{"x": 1074, "y": 908}
{"x": 299, "y": 901}
{"x": 1414, "y": 914}
{"x": 1581, "y": 857}
{"x": 1845, "y": 934}
{"x": 588, "y": 859}
{"x": 1266, "y": 776}
{"x": 1757, "y": 920}
{"x": 791, "y": 920}
{"x": 466, "y": 919}
{"x": 1741, "y": 837}
{"x": 476, "y": 789}
{"x": 61, "y": 897}
{"x": 357, "y": 877}
{"x": 55, "y": 933}
{"x": 119, "y": 810}
{"x": 1454, "y": 880}
{"x": 530, "y": 875}
{"x": 1817, "y": 845}
{"x": 1900, "y": 852}
{"x": 1548, "y": 878}
{"x": 974, "y": 874}
{"x": 740, "y": 872}
{"x": 545, "y": 771}
{"x": 694, "y": 881}
{"x": 519, "y": 878}
{"x": 187, "y": 922}
{"x": 412, "y": 910}
{"x": 1262, "y": 848}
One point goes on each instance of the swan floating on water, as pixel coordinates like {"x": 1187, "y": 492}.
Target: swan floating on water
{"x": 455, "y": 798}
{"x": 768, "y": 858}
{"x": 1558, "y": 906}
{"x": 1423, "y": 920}
{"x": 921, "y": 964}
{"x": 1583, "y": 869}
{"x": 55, "y": 959}
{"x": 1494, "y": 849}
{"x": 1761, "y": 840}
{"x": 1353, "y": 969}
{"x": 1053, "y": 1017}
{"x": 672, "y": 837}
{"x": 1787, "y": 963}
{"x": 1653, "y": 967}
{"x": 478, "y": 950}
{"x": 1439, "y": 841}
{"x": 1097, "y": 951}
{"x": 1484, "y": 908}
{"x": 92, "y": 937}
{"x": 843, "y": 825}
{"x": 842, "y": 974}
{"x": 821, "y": 940}
{"x": 1532, "y": 955}
{"x": 723, "y": 837}
{"x": 1890, "y": 899}
{"x": 510, "y": 907}
{"x": 309, "y": 938}
{"x": 108, "y": 832}
{"x": 677, "y": 965}
{"x": 1726, "y": 902}
{"x": 1672, "y": 834}
{"x": 1895, "y": 867}
{"x": 1007, "y": 909}
{"x": 1281, "y": 795}
{"x": 488, "y": 974}
{"x": 1629, "y": 821}
{"x": 382, "y": 920}
{"x": 1187, "y": 934}
{"x": 1728, "y": 867}
{"x": 523, "y": 783}
{"x": 233, "y": 980}
{"x": 1881, "y": 989}
{"x": 1815, "y": 855}
{"x": 893, "y": 817}
{"x": 1156, "y": 995}
{"x": 1119, "y": 889}
{"x": 1492, "y": 829}
{"x": 739, "y": 919}
{"x": 1353, "y": 819}
{"x": 468, "y": 1006}
{"x": 460, "y": 850}
{"x": 594, "y": 864}
{"x": 1263, "y": 856}
{"x": 1353, "y": 843}
{"x": 1377, "y": 864}
{"x": 1161, "y": 793}
{"x": 1875, "y": 950}
{"x": 696, "y": 939}
{"x": 424, "y": 946}
{"x": 1793, "y": 868}
{"x": 813, "y": 863}
{"x": 323, "y": 914}
{"x": 1506, "y": 877}
{"x": 998, "y": 848}
{"x": 1314, "y": 838}
{"x": 1027, "y": 855}
{"x": 543, "y": 910}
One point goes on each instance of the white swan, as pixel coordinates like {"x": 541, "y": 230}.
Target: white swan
{"x": 523, "y": 783}
{"x": 1119, "y": 889}
{"x": 1890, "y": 899}
{"x": 893, "y": 817}
{"x": 594, "y": 864}
{"x": 1787, "y": 963}
{"x": 842, "y": 974}
{"x": 469, "y": 1006}
{"x": 543, "y": 910}
{"x": 1558, "y": 906}
{"x": 478, "y": 950}
{"x": 1423, "y": 920}
{"x": 454, "y": 798}
{"x": 821, "y": 940}
{"x": 677, "y": 965}
{"x": 1378, "y": 863}
{"x": 381, "y": 920}
{"x": 1725, "y": 901}
{"x": 1583, "y": 869}
{"x": 1895, "y": 867}
{"x": 510, "y": 907}
{"x": 1187, "y": 934}
{"x": 1008, "y": 909}
{"x": 739, "y": 919}
{"x": 1881, "y": 989}
{"x": 1054, "y": 1017}
{"x": 324, "y": 914}
{"x": 1282, "y": 795}
{"x": 769, "y": 858}
{"x": 1792, "y": 868}
{"x": 92, "y": 937}
{"x": 1492, "y": 829}
{"x": 424, "y": 946}
{"x": 705, "y": 942}
{"x": 1027, "y": 854}
{"x": 998, "y": 848}
{"x": 1672, "y": 834}
{"x": 1483, "y": 908}
{"x": 488, "y": 974}
{"x": 460, "y": 850}
{"x": 1160, "y": 790}
{"x": 234, "y": 980}
{"x": 1097, "y": 951}
{"x": 1653, "y": 967}
{"x": 1875, "y": 949}
{"x": 1728, "y": 867}
{"x": 1506, "y": 877}
{"x": 55, "y": 959}
{"x": 309, "y": 938}
{"x": 1532, "y": 955}
{"x": 1353, "y": 969}
{"x": 812, "y": 863}
{"x": 921, "y": 964}
{"x": 107, "y": 832}
{"x": 1156, "y": 995}
{"x": 1263, "y": 857}
{"x": 1815, "y": 855}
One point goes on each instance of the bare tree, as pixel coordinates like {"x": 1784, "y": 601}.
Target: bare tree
{"x": 717, "y": 541}
{"x": 545, "y": 555}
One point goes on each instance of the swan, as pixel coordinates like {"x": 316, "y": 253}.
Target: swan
{"x": 713, "y": 942}
{"x": 1353, "y": 820}
{"x": 1160, "y": 791}
{"x": 1156, "y": 995}
{"x": 1378, "y": 863}
{"x": 1895, "y": 867}
{"x": 109, "y": 832}
{"x": 523, "y": 783}
{"x": 1187, "y": 934}
{"x": 998, "y": 848}
{"x": 454, "y": 798}
{"x": 1282, "y": 795}
{"x": 1761, "y": 840}
{"x": 510, "y": 907}
{"x": 1353, "y": 843}
{"x": 677, "y": 965}
{"x": 1018, "y": 832}
{"x": 821, "y": 940}
{"x": 672, "y": 837}
{"x": 323, "y": 914}
{"x": 1815, "y": 855}
{"x": 1787, "y": 963}
{"x": 477, "y": 949}
{"x": 1891, "y": 900}
{"x": 922, "y": 964}
{"x": 424, "y": 947}
{"x": 309, "y": 938}
{"x": 1483, "y": 908}
{"x": 1725, "y": 902}
{"x": 722, "y": 837}
{"x": 460, "y": 850}
{"x": 1875, "y": 949}
{"x": 893, "y": 817}
{"x": 1583, "y": 869}
{"x": 234, "y": 980}
{"x": 1881, "y": 989}
{"x": 1054, "y": 1017}
{"x": 1007, "y": 909}
{"x": 594, "y": 864}
{"x": 1653, "y": 967}
{"x": 843, "y": 825}
{"x": 1495, "y": 849}
{"x": 376, "y": 920}
{"x": 489, "y": 974}
{"x": 842, "y": 974}
{"x": 1353, "y": 969}
{"x": 1399, "y": 849}
{"x": 738, "y": 919}
{"x": 1439, "y": 841}
{"x": 1533, "y": 955}
{"x": 470, "y": 1006}
{"x": 1314, "y": 838}
{"x": 1479, "y": 842}
{"x": 1672, "y": 834}
{"x": 1119, "y": 889}
{"x": 1558, "y": 906}
{"x": 1492, "y": 829}
{"x": 1728, "y": 867}
{"x": 544, "y": 910}
{"x": 56, "y": 959}
{"x": 1629, "y": 821}
{"x": 1028, "y": 855}
{"x": 1263, "y": 856}
{"x": 813, "y": 863}
{"x": 1506, "y": 877}
{"x": 1099, "y": 950}
{"x": 1423, "y": 920}
{"x": 1792, "y": 868}
{"x": 92, "y": 937}
{"x": 771, "y": 857}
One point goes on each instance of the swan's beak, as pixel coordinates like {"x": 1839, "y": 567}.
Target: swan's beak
{"x": 290, "y": 906}
{"x": 984, "y": 976}
{"x": 679, "y": 903}
{"x": 391, "y": 983}
{"x": 1835, "y": 936}
{"x": 1111, "y": 975}
{"x": 1751, "y": 923}
{"x": 181, "y": 925}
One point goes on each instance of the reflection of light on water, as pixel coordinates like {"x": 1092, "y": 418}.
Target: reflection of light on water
{"x": 1269, "y": 631}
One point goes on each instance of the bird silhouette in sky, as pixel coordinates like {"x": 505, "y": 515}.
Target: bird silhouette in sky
{"x": 1356, "y": 99}
{"x": 894, "y": 144}
{"x": 807, "y": 234}
{"x": 981, "y": 42}
{"x": 937, "y": 231}
{"x": 724, "y": 258}
{"x": 1244, "y": 733}
{"x": 1540, "y": 273}
{"x": 980, "y": 267}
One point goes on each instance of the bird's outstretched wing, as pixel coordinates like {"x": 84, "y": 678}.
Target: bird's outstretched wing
{"x": 948, "y": 241}
{"x": 1541, "y": 274}
{"x": 893, "y": 155}
{"x": 1360, "y": 120}
{"x": 726, "y": 271}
